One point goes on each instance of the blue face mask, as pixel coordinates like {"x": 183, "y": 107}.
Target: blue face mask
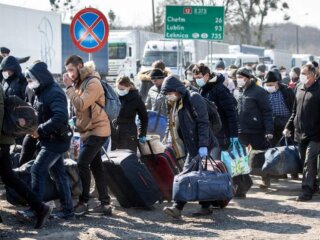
{"x": 200, "y": 82}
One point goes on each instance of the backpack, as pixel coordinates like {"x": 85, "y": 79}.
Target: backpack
{"x": 113, "y": 103}
{"x": 14, "y": 109}
{"x": 214, "y": 117}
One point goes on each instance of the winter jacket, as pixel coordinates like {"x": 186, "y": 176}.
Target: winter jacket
{"x": 16, "y": 84}
{"x": 52, "y": 107}
{"x": 87, "y": 99}
{"x": 156, "y": 101}
{"x": 218, "y": 93}
{"x": 254, "y": 111}
{"x": 305, "y": 118}
{"x": 194, "y": 131}
{"x": 3, "y": 138}
{"x": 131, "y": 105}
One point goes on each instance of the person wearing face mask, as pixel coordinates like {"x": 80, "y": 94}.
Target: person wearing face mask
{"x": 281, "y": 99}
{"x": 131, "y": 105}
{"x": 261, "y": 71}
{"x": 212, "y": 88}
{"x": 294, "y": 77}
{"x": 254, "y": 112}
{"x": 285, "y": 78}
{"x": 155, "y": 100}
{"x": 14, "y": 83}
{"x": 195, "y": 133}
{"x": 305, "y": 124}
{"x": 86, "y": 94}
{"x": 52, "y": 107}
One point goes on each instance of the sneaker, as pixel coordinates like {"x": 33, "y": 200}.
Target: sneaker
{"x": 172, "y": 212}
{"x": 102, "y": 210}
{"x": 304, "y": 197}
{"x": 203, "y": 212}
{"x": 80, "y": 209}
{"x": 63, "y": 215}
{"x": 43, "y": 216}
{"x": 265, "y": 182}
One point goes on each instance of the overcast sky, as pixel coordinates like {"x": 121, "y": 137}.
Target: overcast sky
{"x": 138, "y": 12}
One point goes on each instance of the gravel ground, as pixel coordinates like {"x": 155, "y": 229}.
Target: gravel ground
{"x": 265, "y": 214}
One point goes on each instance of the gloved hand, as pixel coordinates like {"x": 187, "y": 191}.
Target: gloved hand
{"x": 269, "y": 136}
{"x": 286, "y": 133}
{"x": 142, "y": 139}
{"x": 203, "y": 151}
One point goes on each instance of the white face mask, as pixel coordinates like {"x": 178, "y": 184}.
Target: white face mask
{"x": 33, "y": 84}
{"x": 190, "y": 77}
{"x": 283, "y": 74}
{"x": 122, "y": 92}
{"x": 270, "y": 89}
{"x": 241, "y": 82}
{"x": 303, "y": 79}
{"x": 258, "y": 73}
{"x": 172, "y": 98}
{"x": 200, "y": 82}
{"x": 5, "y": 75}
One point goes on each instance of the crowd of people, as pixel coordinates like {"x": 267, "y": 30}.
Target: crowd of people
{"x": 257, "y": 106}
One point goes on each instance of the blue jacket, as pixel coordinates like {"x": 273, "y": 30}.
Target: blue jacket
{"x": 16, "y": 84}
{"x": 194, "y": 130}
{"x": 52, "y": 106}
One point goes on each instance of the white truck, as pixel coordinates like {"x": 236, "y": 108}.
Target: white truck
{"x": 167, "y": 51}
{"x": 126, "y": 50}
{"x": 278, "y": 58}
{"x": 28, "y": 32}
{"x": 301, "y": 59}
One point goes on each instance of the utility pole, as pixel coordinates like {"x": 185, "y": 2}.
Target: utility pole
{"x": 297, "y": 36}
{"x": 153, "y": 18}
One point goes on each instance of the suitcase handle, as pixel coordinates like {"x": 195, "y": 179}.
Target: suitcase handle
{"x": 105, "y": 152}
{"x": 149, "y": 145}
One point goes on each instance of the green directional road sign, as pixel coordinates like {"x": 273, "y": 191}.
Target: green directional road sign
{"x": 194, "y": 22}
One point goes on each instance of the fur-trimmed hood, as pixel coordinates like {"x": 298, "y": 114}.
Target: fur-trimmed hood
{"x": 145, "y": 75}
{"x": 89, "y": 69}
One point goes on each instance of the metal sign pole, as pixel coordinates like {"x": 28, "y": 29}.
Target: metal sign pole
{"x": 90, "y": 57}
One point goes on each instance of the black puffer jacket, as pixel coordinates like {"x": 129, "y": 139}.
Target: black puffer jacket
{"x": 131, "y": 105}
{"x": 16, "y": 84}
{"x": 51, "y": 104}
{"x": 218, "y": 93}
{"x": 195, "y": 132}
{"x": 305, "y": 118}
{"x": 288, "y": 96}
{"x": 254, "y": 111}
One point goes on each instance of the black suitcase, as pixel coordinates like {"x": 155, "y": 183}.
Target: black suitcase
{"x": 129, "y": 180}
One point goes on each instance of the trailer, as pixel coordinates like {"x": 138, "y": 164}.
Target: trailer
{"x": 278, "y": 58}
{"x": 247, "y": 49}
{"x": 126, "y": 51}
{"x": 34, "y": 33}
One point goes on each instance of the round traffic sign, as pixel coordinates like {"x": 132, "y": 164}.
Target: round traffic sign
{"x": 89, "y": 30}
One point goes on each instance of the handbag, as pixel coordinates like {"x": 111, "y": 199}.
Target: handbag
{"x": 198, "y": 184}
{"x": 282, "y": 159}
{"x": 236, "y": 159}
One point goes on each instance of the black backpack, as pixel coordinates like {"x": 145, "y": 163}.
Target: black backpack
{"x": 14, "y": 109}
{"x": 214, "y": 117}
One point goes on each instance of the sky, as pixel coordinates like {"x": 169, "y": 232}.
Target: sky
{"x": 139, "y": 12}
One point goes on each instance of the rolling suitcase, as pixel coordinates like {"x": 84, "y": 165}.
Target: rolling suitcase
{"x": 162, "y": 169}
{"x": 169, "y": 152}
{"x": 129, "y": 180}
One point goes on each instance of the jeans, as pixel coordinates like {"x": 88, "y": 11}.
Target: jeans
{"x": 29, "y": 147}
{"x": 90, "y": 156}
{"x": 54, "y": 161}
{"x": 10, "y": 179}
{"x": 309, "y": 152}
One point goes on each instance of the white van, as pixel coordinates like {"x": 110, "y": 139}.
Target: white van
{"x": 237, "y": 59}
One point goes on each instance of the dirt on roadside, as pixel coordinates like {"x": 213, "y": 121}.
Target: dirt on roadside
{"x": 264, "y": 214}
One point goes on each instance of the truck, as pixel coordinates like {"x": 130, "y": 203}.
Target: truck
{"x": 247, "y": 49}
{"x": 278, "y": 58}
{"x": 126, "y": 51}
{"x": 301, "y": 59}
{"x": 34, "y": 33}
{"x": 168, "y": 51}
{"x": 100, "y": 58}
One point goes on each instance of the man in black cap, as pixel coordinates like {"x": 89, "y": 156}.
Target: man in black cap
{"x": 156, "y": 100}
{"x": 261, "y": 71}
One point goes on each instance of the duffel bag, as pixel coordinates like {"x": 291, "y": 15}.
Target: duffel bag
{"x": 202, "y": 185}
{"x": 282, "y": 160}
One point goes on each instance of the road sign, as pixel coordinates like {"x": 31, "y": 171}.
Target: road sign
{"x": 89, "y": 30}
{"x": 194, "y": 22}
